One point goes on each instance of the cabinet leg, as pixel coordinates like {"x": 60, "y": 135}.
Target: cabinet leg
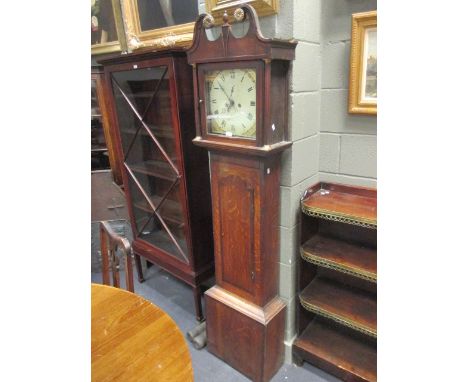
{"x": 197, "y": 295}
{"x": 297, "y": 360}
{"x": 139, "y": 268}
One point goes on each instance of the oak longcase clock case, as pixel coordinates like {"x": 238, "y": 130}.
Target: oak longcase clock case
{"x": 241, "y": 109}
{"x": 166, "y": 177}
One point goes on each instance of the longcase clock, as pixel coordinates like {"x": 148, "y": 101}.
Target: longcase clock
{"x": 241, "y": 102}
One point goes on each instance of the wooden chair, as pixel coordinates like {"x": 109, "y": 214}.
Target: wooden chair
{"x": 110, "y": 241}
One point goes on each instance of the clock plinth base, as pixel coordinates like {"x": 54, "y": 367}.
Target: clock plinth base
{"x": 246, "y": 336}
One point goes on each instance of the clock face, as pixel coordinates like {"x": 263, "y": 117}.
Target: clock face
{"x": 231, "y": 102}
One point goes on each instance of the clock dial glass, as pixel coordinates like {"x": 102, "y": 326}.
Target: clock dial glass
{"x": 231, "y": 102}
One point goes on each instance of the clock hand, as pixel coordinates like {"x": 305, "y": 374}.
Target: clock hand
{"x": 224, "y": 91}
{"x": 231, "y": 101}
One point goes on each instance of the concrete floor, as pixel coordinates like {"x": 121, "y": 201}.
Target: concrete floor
{"x": 175, "y": 298}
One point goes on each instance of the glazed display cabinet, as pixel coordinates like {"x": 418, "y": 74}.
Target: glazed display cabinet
{"x": 166, "y": 177}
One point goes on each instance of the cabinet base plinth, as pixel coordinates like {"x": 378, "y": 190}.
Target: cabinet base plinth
{"x": 246, "y": 336}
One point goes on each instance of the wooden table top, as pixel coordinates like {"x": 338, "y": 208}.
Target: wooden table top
{"x": 134, "y": 340}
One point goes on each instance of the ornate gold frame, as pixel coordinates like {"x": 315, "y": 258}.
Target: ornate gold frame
{"x": 177, "y": 35}
{"x": 114, "y": 46}
{"x": 360, "y": 22}
{"x": 263, "y": 7}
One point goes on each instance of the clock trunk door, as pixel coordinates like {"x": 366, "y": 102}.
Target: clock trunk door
{"x": 236, "y": 213}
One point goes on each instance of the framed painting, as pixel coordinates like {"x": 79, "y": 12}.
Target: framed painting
{"x": 159, "y": 23}
{"x": 363, "y": 64}
{"x": 107, "y": 31}
{"x": 217, "y": 7}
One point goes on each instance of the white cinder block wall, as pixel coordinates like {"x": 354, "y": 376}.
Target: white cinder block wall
{"x": 348, "y": 142}
{"x": 328, "y": 143}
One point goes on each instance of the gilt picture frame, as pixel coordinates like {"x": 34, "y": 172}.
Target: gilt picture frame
{"x": 217, "y": 7}
{"x": 107, "y": 29}
{"x": 156, "y": 23}
{"x": 363, "y": 64}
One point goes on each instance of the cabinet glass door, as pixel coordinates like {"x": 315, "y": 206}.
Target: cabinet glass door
{"x": 151, "y": 157}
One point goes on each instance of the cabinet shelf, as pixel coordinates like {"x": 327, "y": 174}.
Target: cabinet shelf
{"x": 338, "y": 351}
{"x": 351, "y": 205}
{"x": 158, "y": 169}
{"x": 352, "y": 307}
{"x": 166, "y": 244}
{"x": 341, "y": 256}
{"x": 98, "y": 149}
{"x": 164, "y": 131}
{"x": 169, "y": 214}
{"x": 146, "y": 94}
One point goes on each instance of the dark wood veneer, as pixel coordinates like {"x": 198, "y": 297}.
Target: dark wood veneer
{"x": 174, "y": 113}
{"x": 245, "y": 317}
{"x": 351, "y": 306}
{"x": 346, "y": 257}
{"x": 358, "y": 204}
{"x": 339, "y": 351}
{"x": 337, "y": 303}
{"x": 98, "y": 75}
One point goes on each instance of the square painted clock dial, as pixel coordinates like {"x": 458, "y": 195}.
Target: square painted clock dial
{"x": 231, "y": 99}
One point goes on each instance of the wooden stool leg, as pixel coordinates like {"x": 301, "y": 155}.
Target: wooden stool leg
{"x": 139, "y": 268}
{"x": 129, "y": 272}
{"x": 105, "y": 258}
{"x": 198, "y": 305}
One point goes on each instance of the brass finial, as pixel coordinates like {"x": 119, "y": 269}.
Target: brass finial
{"x": 225, "y": 17}
{"x": 239, "y": 14}
{"x": 208, "y": 21}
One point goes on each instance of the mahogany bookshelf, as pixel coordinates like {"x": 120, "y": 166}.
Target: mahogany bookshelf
{"x": 337, "y": 302}
{"x": 348, "y": 306}
{"x": 354, "y": 259}
{"x": 338, "y": 351}
{"x": 345, "y": 204}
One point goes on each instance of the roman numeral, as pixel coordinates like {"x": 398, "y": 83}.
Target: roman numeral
{"x": 250, "y": 89}
{"x": 213, "y": 101}
{"x": 222, "y": 77}
{"x": 242, "y": 79}
{"x": 252, "y": 103}
{"x": 233, "y": 74}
